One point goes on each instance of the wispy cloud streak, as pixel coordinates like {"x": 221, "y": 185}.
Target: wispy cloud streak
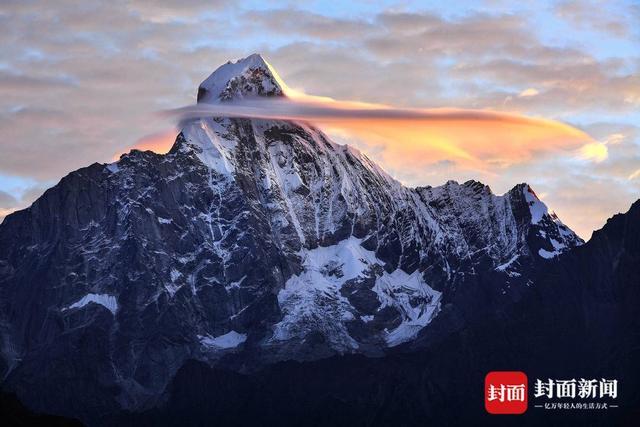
{"x": 482, "y": 140}
{"x": 325, "y": 111}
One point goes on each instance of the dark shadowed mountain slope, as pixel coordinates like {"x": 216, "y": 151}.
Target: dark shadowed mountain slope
{"x": 14, "y": 414}
{"x": 580, "y": 320}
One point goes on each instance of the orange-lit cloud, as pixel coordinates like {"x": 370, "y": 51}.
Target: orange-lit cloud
{"x": 6, "y": 211}
{"x": 529, "y": 92}
{"x": 159, "y": 142}
{"x": 480, "y": 140}
{"x": 594, "y": 151}
{"x": 486, "y": 146}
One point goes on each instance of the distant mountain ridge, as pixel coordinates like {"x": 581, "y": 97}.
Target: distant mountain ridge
{"x": 250, "y": 242}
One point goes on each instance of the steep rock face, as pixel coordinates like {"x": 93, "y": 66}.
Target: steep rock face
{"x": 252, "y": 241}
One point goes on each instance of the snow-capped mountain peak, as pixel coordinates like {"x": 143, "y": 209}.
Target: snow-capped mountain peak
{"x": 257, "y": 239}
{"x": 552, "y": 236}
{"x": 246, "y": 78}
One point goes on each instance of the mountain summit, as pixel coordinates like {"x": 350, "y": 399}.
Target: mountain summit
{"x": 250, "y": 242}
{"x": 246, "y": 78}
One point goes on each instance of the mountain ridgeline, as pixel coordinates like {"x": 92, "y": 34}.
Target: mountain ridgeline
{"x": 255, "y": 246}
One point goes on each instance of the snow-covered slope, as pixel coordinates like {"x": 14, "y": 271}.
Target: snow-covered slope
{"x": 259, "y": 240}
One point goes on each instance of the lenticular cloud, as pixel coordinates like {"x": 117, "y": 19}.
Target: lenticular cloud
{"x": 325, "y": 110}
{"x": 481, "y": 140}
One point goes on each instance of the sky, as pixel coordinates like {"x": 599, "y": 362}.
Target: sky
{"x": 82, "y": 82}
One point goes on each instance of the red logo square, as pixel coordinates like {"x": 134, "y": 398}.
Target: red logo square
{"x": 506, "y": 392}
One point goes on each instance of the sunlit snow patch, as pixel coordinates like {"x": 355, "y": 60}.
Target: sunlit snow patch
{"x": 311, "y": 301}
{"x": 401, "y": 290}
{"x": 107, "y": 301}
{"x": 559, "y": 248}
{"x": 113, "y": 167}
{"x": 231, "y": 339}
{"x": 507, "y": 267}
{"x": 536, "y": 207}
{"x": 213, "y": 149}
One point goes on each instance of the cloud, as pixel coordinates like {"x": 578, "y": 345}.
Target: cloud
{"x": 587, "y": 201}
{"x": 9, "y": 203}
{"x": 528, "y": 92}
{"x": 476, "y": 139}
{"x": 12, "y": 81}
{"x": 474, "y": 34}
{"x": 6, "y": 200}
{"x": 476, "y": 54}
{"x": 295, "y": 21}
{"x": 615, "y": 138}
{"x": 323, "y": 109}
{"x": 587, "y": 14}
{"x": 158, "y": 142}
{"x": 595, "y": 151}
{"x": 162, "y": 11}
{"x": 80, "y": 81}
{"x": 92, "y": 79}
{"x": 599, "y": 151}
{"x": 584, "y": 85}
{"x": 623, "y": 147}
